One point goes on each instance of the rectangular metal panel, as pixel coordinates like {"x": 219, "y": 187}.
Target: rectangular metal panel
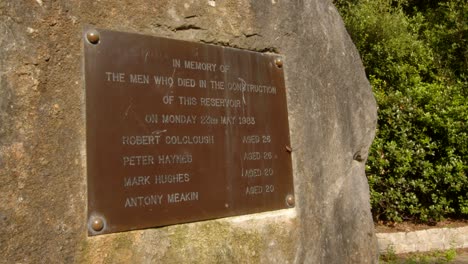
{"x": 180, "y": 131}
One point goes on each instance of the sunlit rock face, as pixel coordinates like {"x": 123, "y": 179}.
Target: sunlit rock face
{"x": 332, "y": 117}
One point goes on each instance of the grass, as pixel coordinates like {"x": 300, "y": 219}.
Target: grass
{"x": 437, "y": 256}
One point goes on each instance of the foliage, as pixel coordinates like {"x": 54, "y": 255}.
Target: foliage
{"x": 389, "y": 256}
{"x": 416, "y": 58}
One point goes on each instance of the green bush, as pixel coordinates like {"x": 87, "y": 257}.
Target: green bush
{"x": 416, "y": 59}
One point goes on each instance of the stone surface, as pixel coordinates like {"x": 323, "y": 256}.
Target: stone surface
{"x": 423, "y": 240}
{"x": 42, "y": 134}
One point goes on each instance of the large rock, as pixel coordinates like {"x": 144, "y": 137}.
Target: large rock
{"x": 42, "y": 134}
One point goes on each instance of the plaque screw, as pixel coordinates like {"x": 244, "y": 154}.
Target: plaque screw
{"x": 93, "y": 36}
{"x": 290, "y": 200}
{"x": 97, "y": 224}
{"x": 288, "y": 149}
{"x": 279, "y": 62}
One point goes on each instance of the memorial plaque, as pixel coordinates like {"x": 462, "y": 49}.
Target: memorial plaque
{"x": 180, "y": 131}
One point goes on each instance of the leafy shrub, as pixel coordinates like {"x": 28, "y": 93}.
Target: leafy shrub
{"x": 416, "y": 59}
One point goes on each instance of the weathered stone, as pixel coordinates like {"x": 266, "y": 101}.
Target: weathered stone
{"x": 423, "y": 240}
{"x": 42, "y": 134}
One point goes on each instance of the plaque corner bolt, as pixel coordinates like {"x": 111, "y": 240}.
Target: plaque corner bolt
{"x": 290, "y": 201}
{"x": 279, "y": 62}
{"x": 93, "y": 36}
{"x": 97, "y": 224}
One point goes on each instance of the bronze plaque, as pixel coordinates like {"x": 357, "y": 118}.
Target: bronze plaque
{"x": 180, "y": 131}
